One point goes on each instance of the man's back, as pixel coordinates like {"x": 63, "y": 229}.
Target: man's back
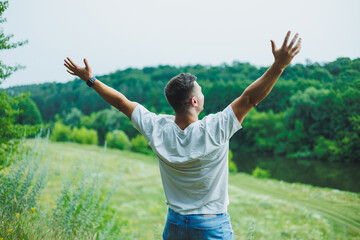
{"x": 193, "y": 162}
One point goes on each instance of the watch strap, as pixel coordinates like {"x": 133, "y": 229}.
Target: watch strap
{"x": 91, "y": 81}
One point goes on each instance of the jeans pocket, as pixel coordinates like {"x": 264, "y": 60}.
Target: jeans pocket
{"x": 208, "y": 232}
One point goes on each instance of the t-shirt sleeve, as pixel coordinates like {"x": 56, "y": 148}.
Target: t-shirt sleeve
{"x": 223, "y": 125}
{"x": 143, "y": 120}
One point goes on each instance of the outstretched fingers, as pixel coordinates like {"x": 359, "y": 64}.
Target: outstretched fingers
{"x": 293, "y": 40}
{"x": 86, "y": 63}
{"x": 273, "y": 46}
{"x": 286, "y": 39}
{"x": 71, "y": 72}
{"x": 72, "y": 63}
{"x": 297, "y": 48}
{"x": 68, "y": 66}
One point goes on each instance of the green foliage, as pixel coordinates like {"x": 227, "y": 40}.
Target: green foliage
{"x": 344, "y": 148}
{"x": 321, "y": 74}
{"x": 61, "y": 133}
{"x": 326, "y": 149}
{"x": 29, "y": 112}
{"x": 139, "y": 144}
{"x": 260, "y": 173}
{"x": 108, "y": 120}
{"x": 232, "y": 165}
{"x": 73, "y": 118}
{"x": 21, "y": 186}
{"x": 338, "y": 66}
{"x": 81, "y": 207}
{"x": 86, "y": 121}
{"x": 265, "y": 130}
{"x": 308, "y": 101}
{"x": 10, "y": 132}
{"x": 118, "y": 139}
{"x": 5, "y": 70}
{"x": 84, "y": 136}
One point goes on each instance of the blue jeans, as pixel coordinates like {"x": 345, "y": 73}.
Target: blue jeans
{"x": 197, "y": 227}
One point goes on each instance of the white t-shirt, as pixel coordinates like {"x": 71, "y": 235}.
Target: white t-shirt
{"x": 193, "y": 162}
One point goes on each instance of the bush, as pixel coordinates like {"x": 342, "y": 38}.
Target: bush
{"x": 10, "y": 132}
{"x": 323, "y": 148}
{"x": 61, "y": 133}
{"x": 139, "y": 144}
{"x": 84, "y": 136}
{"x": 260, "y": 173}
{"x": 29, "y": 112}
{"x": 21, "y": 186}
{"x": 117, "y": 139}
{"x": 232, "y": 166}
{"x": 81, "y": 207}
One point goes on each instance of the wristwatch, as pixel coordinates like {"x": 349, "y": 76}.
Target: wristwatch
{"x": 90, "y": 82}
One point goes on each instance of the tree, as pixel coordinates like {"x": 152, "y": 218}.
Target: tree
{"x": 5, "y": 44}
{"x": 29, "y": 112}
{"x": 9, "y": 131}
{"x": 73, "y": 118}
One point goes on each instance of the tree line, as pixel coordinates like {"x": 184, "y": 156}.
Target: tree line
{"x": 312, "y": 112}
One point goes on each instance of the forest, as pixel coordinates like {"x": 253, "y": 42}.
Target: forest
{"x": 312, "y": 112}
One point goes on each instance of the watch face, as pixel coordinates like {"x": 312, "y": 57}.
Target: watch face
{"x": 90, "y": 82}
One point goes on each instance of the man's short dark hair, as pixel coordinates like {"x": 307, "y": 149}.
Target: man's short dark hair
{"x": 178, "y": 90}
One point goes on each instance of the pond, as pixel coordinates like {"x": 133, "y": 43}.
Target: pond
{"x": 342, "y": 176}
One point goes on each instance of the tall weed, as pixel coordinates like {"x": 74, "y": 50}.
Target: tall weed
{"x": 82, "y": 207}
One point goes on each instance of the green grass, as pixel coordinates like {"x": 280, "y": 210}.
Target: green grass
{"x": 259, "y": 208}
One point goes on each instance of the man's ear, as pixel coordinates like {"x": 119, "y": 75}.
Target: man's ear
{"x": 194, "y": 101}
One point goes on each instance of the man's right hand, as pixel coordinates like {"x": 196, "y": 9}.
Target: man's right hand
{"x": 82, "y": 72}
{"x": 286, "y": 53}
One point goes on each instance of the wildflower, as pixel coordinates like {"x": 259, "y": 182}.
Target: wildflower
{"x": 17, "y": 214}
{"x": 10, "y": 230}
{"x": 28, "y": 211}
{"x": 1, "y": 238}
{"x": 33, "y": 209}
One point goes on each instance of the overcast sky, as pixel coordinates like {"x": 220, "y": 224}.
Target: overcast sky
{"x": 116, "y": 34}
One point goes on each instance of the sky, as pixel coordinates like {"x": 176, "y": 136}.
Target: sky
{"x": 116, "y": 34}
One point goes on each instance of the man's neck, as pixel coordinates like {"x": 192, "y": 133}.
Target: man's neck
{"x": 184, "y": 120}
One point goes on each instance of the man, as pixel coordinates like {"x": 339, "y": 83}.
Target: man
{"x": 192, "y": 153}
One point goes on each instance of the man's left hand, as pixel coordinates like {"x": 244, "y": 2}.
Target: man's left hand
{"x": 83, "y": 73}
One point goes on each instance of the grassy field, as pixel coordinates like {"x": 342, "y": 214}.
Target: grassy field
{"x": 259, "y": 209}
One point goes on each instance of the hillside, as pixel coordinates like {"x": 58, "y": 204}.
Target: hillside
{"x": 312, "y": 112}
{"x": 259, "y": 209}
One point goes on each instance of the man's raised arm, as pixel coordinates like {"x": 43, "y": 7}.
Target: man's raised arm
{"x": 109, "y": 94}
{"x": 260, "y": 88}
